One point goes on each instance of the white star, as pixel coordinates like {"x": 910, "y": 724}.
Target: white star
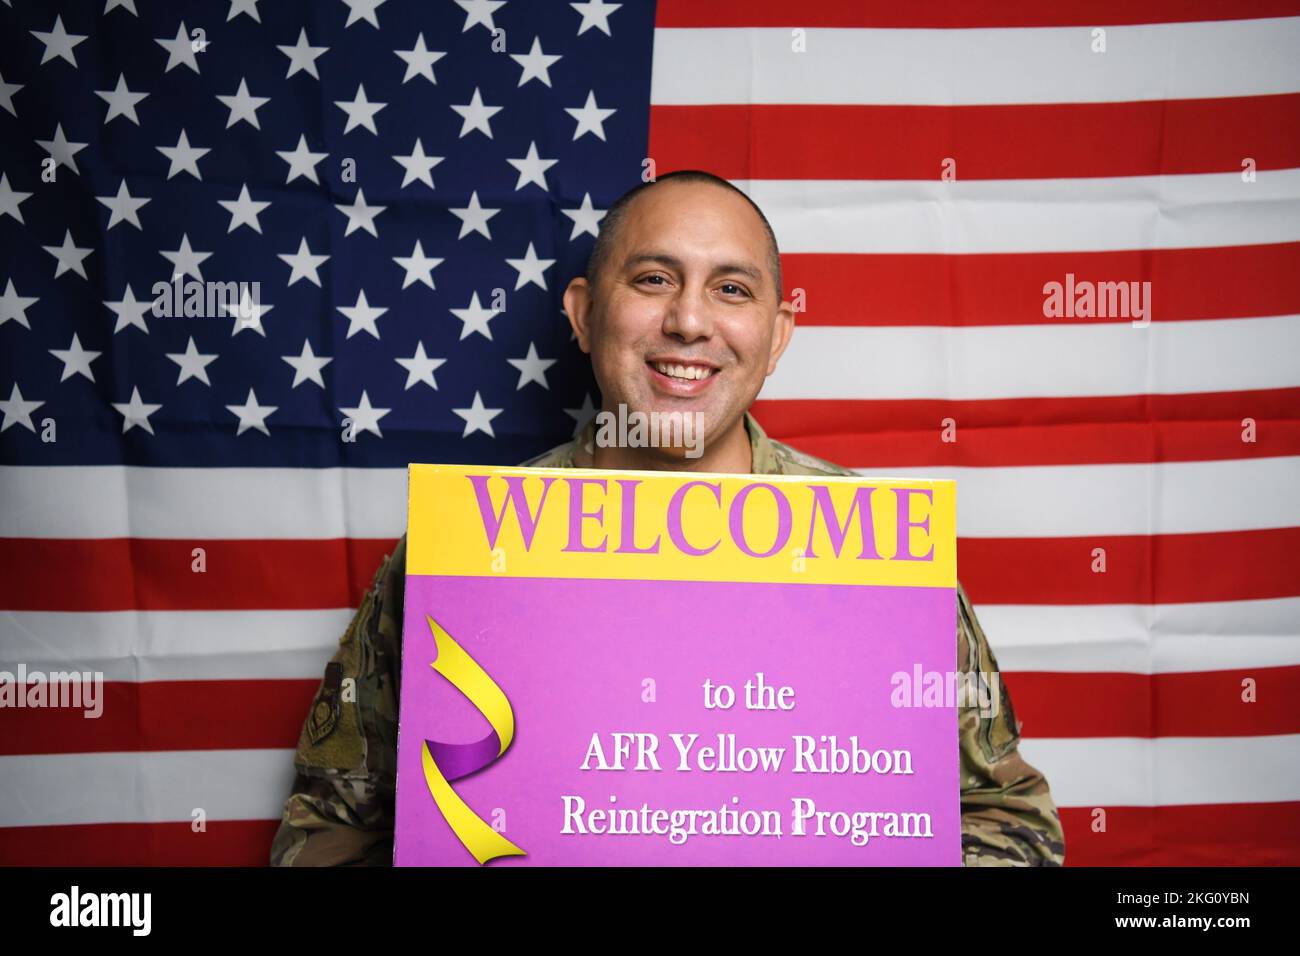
{"x": 70, "y": 257}
{"x": 243, "y": 211}
{"x": 14, "y": 306}
{"x": 130, "y": 311}
{"x": 302, "y": 55}
{"x": 123, "y": 207}
{"x": 7, "y": 91}
{"x": 417, "y": 166}
{"x": 479, "y": 12}
{"x": 418, "y": 266}
{"x": 307, "y": 366}
{"x": 248, "y": 313}
{"x": 420, "y": 368}
{"x": 10, "y": 199}
{"x": 591, "y": 118}
{"x": 62, "y": 150}
{"x": 75, "y": 359}
{"x": 586, "y": 218}
{"x": 362, "y": 316}
{"x": 135, "y": 412}
{"x": 532, "y": 168}
{"x": 244, "y": 107}
{"x": 476, "y": 116}
{"x": 363, "y": 10}
{"x": 420, "y": 60}
{"x": 301, "y": 160}
{"x": 581, "y": 415}
{"x": 478, "y": 418}
{"x": 364, "y": 416}
{"x": 595, "y": 14}
{"x": 475, "y": 318}
{"x": 185, "y": 261}
{"x": 121, "y": 101}
{"x": 180, "y": 50}
{"x": 536, "y": 64}
{"x": 184, "y": 157}
{"x": 361, "y": 112}
{"x": 303, "y": 264}
{"x": 530, "y": 268}
{"x": 124, "y": 4}
{"x": 193, "y": 363}
{"x": 360, "y": 216}
{"x": 243, "y": 6}
{"x": 532, "y": 368}
{"x": 251, "y": 414}
{"x": 59, "y": 42}
{"x": 17, "y": 411}
{"x": 474, "y": 218}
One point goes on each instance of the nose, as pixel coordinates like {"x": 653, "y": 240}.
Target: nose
{"x": 688, "y": 316}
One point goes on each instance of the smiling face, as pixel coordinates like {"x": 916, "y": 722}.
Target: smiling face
{"x": 685, "y": 315}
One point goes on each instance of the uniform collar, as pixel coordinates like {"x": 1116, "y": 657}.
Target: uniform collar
{"x": 763, "y": 451}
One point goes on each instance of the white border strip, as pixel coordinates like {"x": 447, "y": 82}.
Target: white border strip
{"x": 933, "y": 67}
{"x": 1066, "y": 360}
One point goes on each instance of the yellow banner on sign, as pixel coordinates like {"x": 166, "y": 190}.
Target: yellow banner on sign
{"x": 585, "y": 523}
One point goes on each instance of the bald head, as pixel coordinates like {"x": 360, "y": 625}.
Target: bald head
{"x": 612, "y": 223}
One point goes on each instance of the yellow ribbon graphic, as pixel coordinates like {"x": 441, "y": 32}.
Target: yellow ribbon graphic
{"x": 470, "y": 679}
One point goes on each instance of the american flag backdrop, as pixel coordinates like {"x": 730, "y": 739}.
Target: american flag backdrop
{"x": 411, "y": 184}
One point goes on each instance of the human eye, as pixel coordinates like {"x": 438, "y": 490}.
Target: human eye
{"x": 738, "y": 289}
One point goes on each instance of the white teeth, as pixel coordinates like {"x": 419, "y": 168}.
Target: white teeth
{"x": 688, "y": 372}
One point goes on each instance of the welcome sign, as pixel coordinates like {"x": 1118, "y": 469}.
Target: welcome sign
{"x": 644, "y": 668}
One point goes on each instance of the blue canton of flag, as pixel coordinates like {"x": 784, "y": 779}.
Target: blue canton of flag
{"x": 385, "y": 197}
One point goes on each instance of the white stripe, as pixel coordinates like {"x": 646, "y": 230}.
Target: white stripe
{"x": 167, "y": 786}
{"x": 174, "y": 645}
{"x": 1162, "y": 61}
{"x": 1167, "y": 771}
{"x": 1179, "y": 497}
{"x": 1029, "y": 215}
{"x": 112, "y": 501}
{"x": 1144, "y": 639}
{"x": 146, "y": 787}
{"x": 1031, "y": 501}
{"x": 1067, "y": 360}
{"x": 295, "y": 645}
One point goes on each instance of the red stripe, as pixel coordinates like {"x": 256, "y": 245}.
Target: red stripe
{"x": 118, "y": 574}
{"x": 167, "y": 715}
{"x": 1140, "y": 569}
{"x": 1242, "y": 834}
{"x": 1118, "y": 429}
{"x": 224, "y": 843}
{"x": 47, "y": 574}
{"x": 1235, "y": 834}
{"x": 183, "y": 715}
{"x": 1193, "y": 704}
{"x": 976, "y": 289}
{"x": 1023, "y": 141}
{"x": 958, "y": 13}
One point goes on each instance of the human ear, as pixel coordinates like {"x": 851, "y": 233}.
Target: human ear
{"x": 782, "y": 329}
{"x": 577, "y": 306}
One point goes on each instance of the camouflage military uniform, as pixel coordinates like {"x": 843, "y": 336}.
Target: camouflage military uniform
{"x": 341, "y": 808}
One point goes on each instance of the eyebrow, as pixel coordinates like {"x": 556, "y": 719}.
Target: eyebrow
{"x": 672, "y": 262}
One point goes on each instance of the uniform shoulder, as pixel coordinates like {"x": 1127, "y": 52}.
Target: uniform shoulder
{"x": 558, "y": 457}
{"x": 792, "y": 461}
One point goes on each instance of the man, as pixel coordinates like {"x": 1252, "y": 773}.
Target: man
{"x": 681, "y": 310}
